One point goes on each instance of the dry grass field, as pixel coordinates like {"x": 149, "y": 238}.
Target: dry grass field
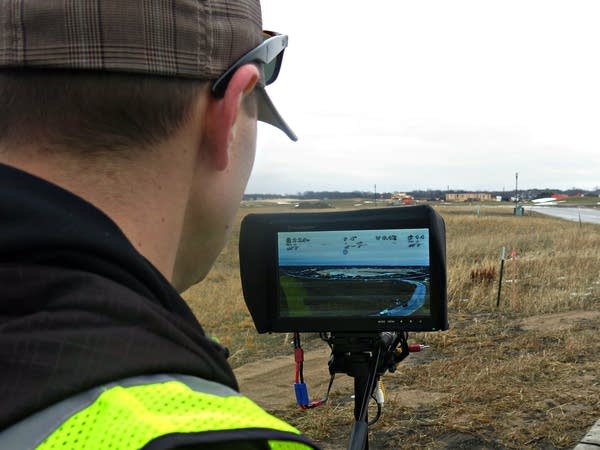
{"x": 525, "y": 374}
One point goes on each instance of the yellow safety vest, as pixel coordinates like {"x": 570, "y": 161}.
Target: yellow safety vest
{"x": 152, "y": 412}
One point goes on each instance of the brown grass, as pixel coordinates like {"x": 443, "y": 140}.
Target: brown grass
{"x": 524, "y": 375}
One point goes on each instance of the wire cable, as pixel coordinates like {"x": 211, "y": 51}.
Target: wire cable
{"x": 300, "y": 387}
{"x": 370, "y": 386}
{"x": 378, "y": 415}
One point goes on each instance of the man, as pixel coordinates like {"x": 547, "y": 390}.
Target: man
{"x": 127, "y": 136}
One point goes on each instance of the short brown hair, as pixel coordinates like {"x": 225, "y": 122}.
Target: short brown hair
{"x": 93, "y": 112}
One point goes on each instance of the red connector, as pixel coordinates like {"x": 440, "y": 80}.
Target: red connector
{"x": 413, "y": 348}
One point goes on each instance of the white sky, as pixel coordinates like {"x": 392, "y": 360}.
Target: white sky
{"x": 433, "y": 94}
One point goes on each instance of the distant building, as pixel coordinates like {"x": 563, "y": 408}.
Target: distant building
{"x": 402, "y": 198}
{"x": 468, "y": 197}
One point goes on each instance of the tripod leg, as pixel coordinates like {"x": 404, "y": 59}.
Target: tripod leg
{"x": 360, "y": 430}
{"x": 358, "y": 436}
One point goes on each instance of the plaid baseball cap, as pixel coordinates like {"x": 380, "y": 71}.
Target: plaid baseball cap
{"x": 178, "y": 38}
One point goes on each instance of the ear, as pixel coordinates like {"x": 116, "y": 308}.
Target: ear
{"x": 222, "y": 114}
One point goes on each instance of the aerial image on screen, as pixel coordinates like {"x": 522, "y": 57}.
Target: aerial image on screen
{"x": 356, "y": 273}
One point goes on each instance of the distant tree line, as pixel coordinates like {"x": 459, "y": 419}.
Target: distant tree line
{"x": 429, "y": 194}
{"x": 309, "y": 195}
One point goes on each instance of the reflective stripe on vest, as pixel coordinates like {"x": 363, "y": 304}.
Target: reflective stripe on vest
{"x": 134, "y": 412}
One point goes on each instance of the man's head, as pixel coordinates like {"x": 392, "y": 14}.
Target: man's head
{"x": 124, "y": 83}
{"x": 69, "y": 49}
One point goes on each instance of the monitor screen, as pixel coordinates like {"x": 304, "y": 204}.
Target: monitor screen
{"x": 378, "y": 273}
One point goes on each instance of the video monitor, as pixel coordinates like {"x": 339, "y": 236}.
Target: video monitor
{"x": 349, "y": 271}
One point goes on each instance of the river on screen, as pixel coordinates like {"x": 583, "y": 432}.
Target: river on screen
{"x": 359, "y": 291}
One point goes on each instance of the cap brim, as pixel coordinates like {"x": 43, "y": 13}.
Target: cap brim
{"x": 267, "y": 113}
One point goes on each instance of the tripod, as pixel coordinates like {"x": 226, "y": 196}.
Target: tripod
{"x": 365, "y": 357}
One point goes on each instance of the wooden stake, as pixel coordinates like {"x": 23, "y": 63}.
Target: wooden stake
{"x": 501, "y": 274}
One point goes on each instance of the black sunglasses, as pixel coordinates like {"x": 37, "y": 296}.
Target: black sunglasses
{"x": 269, "y": 54}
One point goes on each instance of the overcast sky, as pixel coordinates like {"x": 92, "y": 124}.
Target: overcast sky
{"x": 433, "y": 94}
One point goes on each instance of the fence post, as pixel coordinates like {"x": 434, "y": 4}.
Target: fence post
{"x": 501, "y": 274}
